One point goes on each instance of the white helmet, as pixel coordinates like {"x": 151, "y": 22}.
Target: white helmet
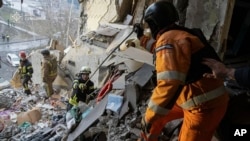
{"x": 85, "y": 69}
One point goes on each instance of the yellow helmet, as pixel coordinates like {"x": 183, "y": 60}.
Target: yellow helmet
{"x": 85, "y": 69}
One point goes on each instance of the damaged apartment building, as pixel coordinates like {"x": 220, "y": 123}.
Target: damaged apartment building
{"x": 123, "y": 71}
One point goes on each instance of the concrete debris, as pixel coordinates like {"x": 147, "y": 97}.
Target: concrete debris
{"x": 124, "y": 83}
{"x": 4, "y": 83}
{"x": 118, "y": 114}
{"x": 114, "y": 114}
{"x": 25, "y": 117}
{"x": 102, "y": 37}
{"x": 5, "y": 102}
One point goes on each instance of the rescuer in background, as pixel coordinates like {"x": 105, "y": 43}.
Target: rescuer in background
{"x": 25, "y": 70}
{"x": 82, "y": 87}
{"x": 49, "y": 71}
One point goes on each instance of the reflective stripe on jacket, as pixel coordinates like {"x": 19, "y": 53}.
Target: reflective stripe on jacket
{"x": 82, "y": 92}
{"x": 174, "y": 49}
{"x": 25, "y": 68}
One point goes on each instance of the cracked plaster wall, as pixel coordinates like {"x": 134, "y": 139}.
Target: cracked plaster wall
{"x": 212, "y": 16}
{"x": 86, "y": 55}
{"x": 96, "y": 12}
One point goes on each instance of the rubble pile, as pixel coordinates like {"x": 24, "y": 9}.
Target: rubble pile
{"x": 101, "y": 37}
{"x": 31, "y": 117}
{"x": 115, "y": 114}
{"x": 126, "y": 82}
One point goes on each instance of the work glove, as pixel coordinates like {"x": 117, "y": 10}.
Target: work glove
{"x": 145, "y": 128}
{"x": 73, "y": 100}
{"x": 89, "y": 97}
{"x": 138, "y": 30}
{"x": 82, "y": 86}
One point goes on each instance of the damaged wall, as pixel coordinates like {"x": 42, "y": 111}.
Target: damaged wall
{"x": 95, "y": 12}
{"x": 213, "y": 17}
{"x": 86, "y": 55}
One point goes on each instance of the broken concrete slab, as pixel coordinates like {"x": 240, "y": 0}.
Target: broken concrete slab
{"x": 124, "y": 109}
{"x": 128, "y": 20}
{"x": 132, "y": 94}
{"x": 94, "y": 114}
{"x": 107, "y": 31}
{"x": 120, "y": 82}
{"x": 132, "y": 65}
{"x": 119, "y": 38}
{"x": 137, "y": 54}
{"x": 143, "y": 75}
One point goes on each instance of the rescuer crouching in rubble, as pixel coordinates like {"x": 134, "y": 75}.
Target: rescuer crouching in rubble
{"x": 49, "y": 71}
{"x": 181, "y": 91}
{"x": 82, "y": 88}
{"x": 25, "y": 70}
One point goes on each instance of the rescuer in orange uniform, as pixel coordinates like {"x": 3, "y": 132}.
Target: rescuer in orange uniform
{"x": 181, "y": 91}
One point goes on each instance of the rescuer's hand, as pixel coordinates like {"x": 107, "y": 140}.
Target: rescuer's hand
{"x": 82, "y": 86}
{"x": 144, "y": 130}
{"x": 90, "y": 97}
{"x": 73, "y": 100}
{"x": 145, "y": 126}
{"x": 138, "y": 30}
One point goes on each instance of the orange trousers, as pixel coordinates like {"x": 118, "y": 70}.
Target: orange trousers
{"x": 198, "y": 125}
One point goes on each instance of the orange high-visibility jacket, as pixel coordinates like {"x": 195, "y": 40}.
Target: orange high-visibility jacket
{"x": 173, "y": 50}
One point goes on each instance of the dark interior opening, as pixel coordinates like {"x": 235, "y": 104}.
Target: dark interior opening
{"x": 238, "y": 45}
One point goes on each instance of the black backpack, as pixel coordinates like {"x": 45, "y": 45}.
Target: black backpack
{"x": 196, "y": 69}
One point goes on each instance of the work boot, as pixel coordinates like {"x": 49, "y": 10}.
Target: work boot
{"x": 28, "y": 92}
